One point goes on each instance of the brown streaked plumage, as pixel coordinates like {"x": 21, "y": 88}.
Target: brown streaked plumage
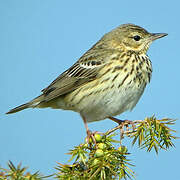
{"x": 106, "y": 81}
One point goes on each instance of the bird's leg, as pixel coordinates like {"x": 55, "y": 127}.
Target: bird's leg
{"x": 123, "y": 123}
{"x": 116, "y": 120}
{"x": 90, "y": 135}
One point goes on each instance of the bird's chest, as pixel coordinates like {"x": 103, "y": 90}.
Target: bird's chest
{"x": 124, "y": 85}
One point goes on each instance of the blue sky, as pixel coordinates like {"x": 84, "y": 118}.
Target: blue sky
{"x": 39, "y": 39}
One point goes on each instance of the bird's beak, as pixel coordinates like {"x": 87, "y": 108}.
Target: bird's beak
{"x": 155, "y": 36}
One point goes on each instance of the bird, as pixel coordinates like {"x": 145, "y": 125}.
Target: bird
{"x": 106, "y": 81}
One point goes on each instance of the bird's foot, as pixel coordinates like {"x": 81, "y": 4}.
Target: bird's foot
{"x": 124, "y": 124}
{"x": 90, "y": 137}
{"x": 93, "y": 137}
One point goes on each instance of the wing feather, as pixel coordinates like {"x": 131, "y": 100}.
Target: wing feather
{"x": 83, "y": 71}
{"x": 66, "y": 83}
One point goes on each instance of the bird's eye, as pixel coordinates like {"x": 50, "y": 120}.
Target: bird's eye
{"x": 137, "y": 38}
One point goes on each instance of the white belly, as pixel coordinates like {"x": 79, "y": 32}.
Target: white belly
{"x": 111, "y": 103}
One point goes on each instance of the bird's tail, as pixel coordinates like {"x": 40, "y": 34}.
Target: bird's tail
{"x": 32, "y": 104}
{"x": 19, "y": 108}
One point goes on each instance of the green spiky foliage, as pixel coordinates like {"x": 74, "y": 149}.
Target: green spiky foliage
{"x": 107, "y": 158}
{"x": 19, "y": 173}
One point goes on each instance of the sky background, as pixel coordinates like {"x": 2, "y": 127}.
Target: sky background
{"x": 39, "y": 39}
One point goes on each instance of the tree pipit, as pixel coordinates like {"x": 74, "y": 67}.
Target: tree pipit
{"x": 106, "y": 81}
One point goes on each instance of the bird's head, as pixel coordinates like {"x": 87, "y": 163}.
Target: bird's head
{"x": 131, "y": 37}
